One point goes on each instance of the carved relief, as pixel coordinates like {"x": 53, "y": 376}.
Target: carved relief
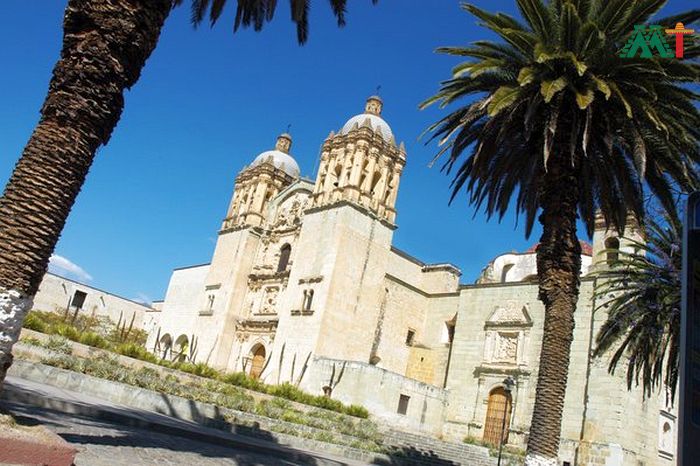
{"x": 507, "y": 335}
{"x": 506, "y": 347}
{"x": 269, "y": 302}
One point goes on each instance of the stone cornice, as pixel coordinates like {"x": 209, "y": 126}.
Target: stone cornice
{"x": 363, "y": 210}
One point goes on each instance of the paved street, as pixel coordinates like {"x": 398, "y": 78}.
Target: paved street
{"x": 114, "y": 444}
{"x": 101, "y": 443}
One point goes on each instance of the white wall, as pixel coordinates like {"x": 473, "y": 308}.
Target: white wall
{"x": 55, "y": 295}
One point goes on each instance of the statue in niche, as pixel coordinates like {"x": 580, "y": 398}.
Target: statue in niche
{"x": 270, "y": 300}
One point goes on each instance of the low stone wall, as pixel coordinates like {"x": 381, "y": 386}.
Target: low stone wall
{"x": 379, "y": 391}
{"x": 36, "y": 353}
{"x": 180, "y": 408}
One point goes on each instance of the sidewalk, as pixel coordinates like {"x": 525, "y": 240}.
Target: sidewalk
{"x": 22, "y": 397}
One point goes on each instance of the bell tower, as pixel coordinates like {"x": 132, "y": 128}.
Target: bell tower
{"x": 345, "y": 245}
{"x": 607, "y": 242}
{"x": 269, "y": 173}
{"x": 362, "y": 164}
{"x": 236, "y": 246}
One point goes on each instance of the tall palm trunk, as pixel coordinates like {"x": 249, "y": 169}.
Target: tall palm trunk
{"x": 558, "y": 268}
{"x": 105, "y": 46}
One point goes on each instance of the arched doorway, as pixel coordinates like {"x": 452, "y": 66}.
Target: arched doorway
{"x": 500, "y": 406}
{"x": 258, "y": 361}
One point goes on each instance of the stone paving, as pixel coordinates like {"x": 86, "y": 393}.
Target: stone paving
{"x": 111, "y": 442}
{"x": 105, "y": 444}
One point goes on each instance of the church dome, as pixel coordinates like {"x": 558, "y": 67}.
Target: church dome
{"x": 373, "y": 110}
{"x": 279, "y": 157}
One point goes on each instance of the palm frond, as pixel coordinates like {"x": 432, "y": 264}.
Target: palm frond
{"x": 641, "y": 296}
{"x": 255, "y": 13}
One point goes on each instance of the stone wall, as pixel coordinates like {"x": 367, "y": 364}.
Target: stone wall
{"x": 56, "y": 294}
{"x": 180, "y": 310}
{"x": 379, "y": 390}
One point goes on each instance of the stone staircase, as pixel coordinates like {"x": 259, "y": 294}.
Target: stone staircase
{"x": 419, "y": 449}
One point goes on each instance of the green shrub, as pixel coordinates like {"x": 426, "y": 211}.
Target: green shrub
{"x": 58, "y": 344}
{"x": 327, "y": 403}
{"x": 67, "y": 331}
{"x": 93, "y": 339}
{"x": 31, "y": 341}
{"x": 33, "y": 321}
{"x": 136, "y": 351}
{"x": 199, "y": 369}
{"x": 290, "y": 392}
{"x": 242, "y": 380}
{"x": 356, "y": 411}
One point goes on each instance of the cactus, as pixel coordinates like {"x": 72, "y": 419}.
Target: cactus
{"x": 303, "y": 369}
{"x": 193, "y": 349}
{"x": 267, "y": 362}
{"x": 294, "y": 360}
{"x": 156, "y": 345}
{"x": 119, "y": 322}
{"x": 333, "y": 382}
{"x": 124, "y": 332}
{"x": 279, "y": 369}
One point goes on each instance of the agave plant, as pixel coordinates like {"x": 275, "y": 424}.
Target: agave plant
{"x": 558, "y": 126}
{"x": 642, "y": 297}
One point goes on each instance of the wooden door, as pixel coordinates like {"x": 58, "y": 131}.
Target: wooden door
{"x": 258, "y": 362}
{"x": 500, "y": 405}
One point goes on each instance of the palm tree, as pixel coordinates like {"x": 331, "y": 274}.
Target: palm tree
{"x": 105, "y": 46}
{"x": 560, "y": 125}
{"x": 642, "y": 296}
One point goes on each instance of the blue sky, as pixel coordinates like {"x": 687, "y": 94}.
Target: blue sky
{"x": 209, "y": 101}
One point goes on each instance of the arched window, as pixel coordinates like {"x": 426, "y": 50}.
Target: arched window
{"x": 504, "y": 272}
{"x": 499, "y": 408}
{"x": 166, "y": 344}
{"x": 182, "y": 344}
{"x": 257, "y": 357}
{"x": 389, "y": 188}
{"x": 285, "y": 252}
{"x": 338, "y": 172}
{"x": 308, "y": 300}
{"x": 375, "y": 181}
{"x": 613, "y": 246}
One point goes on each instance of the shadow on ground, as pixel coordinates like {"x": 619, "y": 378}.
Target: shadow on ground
{"x": 138, "y": 437}
{"x": 410, "y": 456}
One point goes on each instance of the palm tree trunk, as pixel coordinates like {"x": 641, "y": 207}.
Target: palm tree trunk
{"x": 559, "y": 268}
{"x": 105, "y": 46}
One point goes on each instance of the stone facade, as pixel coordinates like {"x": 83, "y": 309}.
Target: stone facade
{"x": 63, "y": 295}
{"x": 305, "y": 287}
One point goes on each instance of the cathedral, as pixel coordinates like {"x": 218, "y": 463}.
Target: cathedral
{"x": 305, "y": 287}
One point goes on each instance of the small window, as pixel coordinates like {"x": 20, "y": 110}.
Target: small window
{"x": 210, "y": 302}
{"x": 403, "y": 404}
{"x": 613, "y": 246}
{"x": 410, "y": 337}
{"x": 308, "y": 300}
{"x": 285, "y": 252}
{"x": 78, "y": 299}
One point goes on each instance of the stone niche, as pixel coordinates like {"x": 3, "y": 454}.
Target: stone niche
{"x": 507, "y": 336}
